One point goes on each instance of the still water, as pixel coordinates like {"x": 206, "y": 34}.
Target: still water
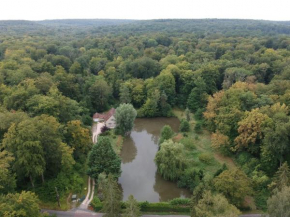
{"x": 139, "y": 173}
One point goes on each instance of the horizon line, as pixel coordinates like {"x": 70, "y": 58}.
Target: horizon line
{"x": 149, "y": 19}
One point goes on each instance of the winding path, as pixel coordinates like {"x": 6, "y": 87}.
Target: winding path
{"x": 96, "y": 130}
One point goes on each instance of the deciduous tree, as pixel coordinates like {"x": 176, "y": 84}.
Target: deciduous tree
{"x": 125, "y": 117}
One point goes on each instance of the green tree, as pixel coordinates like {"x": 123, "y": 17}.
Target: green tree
{"x": 79, "y": 138}
{"x": 184, "y": 126}
{"x": 22, "y": 141}
{"x": 97, "y": 64}
{"x": 132, "y": 208}
{"x": 112, "y": 198}
{"x": 170, "y": 160}
{"x": 24, "y": 204}
{"x": 166, "y": 133}
{"x": 282, "y": 177}
{"x": 234, "y": 184}
{"x": 99, "y": 94}
{"x": 7, "y": 178}
{"x": 198, "y": 96}
{"x": 187, "y": 113}
{"x": 277, "y": 136}
{"x": 279, "y": 203}
{"x": 125, "y": 117}
{"x": 125, "y": 96}
{"x": 96, "y": 163}
{"x": 166, "y": 83}
{"x": 76, "y": 68}
{"x": 214, "y": 205}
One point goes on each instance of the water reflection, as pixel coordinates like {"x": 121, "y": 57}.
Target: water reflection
{"x": 129, "y": 151}
{"x": 139, "y": 172}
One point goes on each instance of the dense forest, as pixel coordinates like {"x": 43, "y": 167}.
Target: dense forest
{"x": 231, "y": 76}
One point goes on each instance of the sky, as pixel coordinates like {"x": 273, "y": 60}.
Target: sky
{"x": 143, "y": 9}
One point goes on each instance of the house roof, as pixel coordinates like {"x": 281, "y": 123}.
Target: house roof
{"x": 105, "y": 116}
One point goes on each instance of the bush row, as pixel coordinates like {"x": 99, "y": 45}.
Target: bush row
{"x": 176, "y": 205}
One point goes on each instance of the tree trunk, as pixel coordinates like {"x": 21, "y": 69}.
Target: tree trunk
{"x": 42, "y": 178}
{"x": 31, "y": 180}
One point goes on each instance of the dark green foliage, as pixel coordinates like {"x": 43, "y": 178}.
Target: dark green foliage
{"x": 219, "y": 171}
{"x": 100, "y": 151}
{"x": 198, "y": 96}
{"x": 96, "y": 204}
{"x": 190, "y": 179}
{"x": 182, "y": 207}
{"x": 64, "y": 183}
{"x": 198, "y": 127}
{"x": 198, "y": 115}
{"x": 100, "y": 93}
{"x": 184, "y": 126}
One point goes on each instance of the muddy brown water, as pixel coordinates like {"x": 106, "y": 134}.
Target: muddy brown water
{"x": 139, "y": 172}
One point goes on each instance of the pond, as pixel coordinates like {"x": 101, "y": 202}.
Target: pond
{"x": 139, "y": 173}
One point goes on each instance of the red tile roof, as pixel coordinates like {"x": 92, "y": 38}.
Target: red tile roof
{"x": 105, "y": 116}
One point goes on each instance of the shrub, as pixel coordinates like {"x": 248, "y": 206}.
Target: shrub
{"x": 205, "y": 158}
{"x": 184, "y": 126}
{"x": 180, "y": 201}
{"x": 188, "y": 143}
{"x": 163, "y": 207}
{"x": 179, "y": 205}
{"x": 104, "y": 129}
{"x": 96, "y": 204}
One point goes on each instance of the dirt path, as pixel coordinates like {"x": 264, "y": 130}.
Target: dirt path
{"x": 223, "y": 159}
{"x": 96, "y": 130}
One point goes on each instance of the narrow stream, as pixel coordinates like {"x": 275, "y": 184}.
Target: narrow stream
{"x": 139, "y": 173}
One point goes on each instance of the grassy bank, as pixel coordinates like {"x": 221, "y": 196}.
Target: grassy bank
{"x": 199, "y": 153}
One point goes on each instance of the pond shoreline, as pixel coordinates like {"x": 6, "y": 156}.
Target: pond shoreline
{"x": 139, "y": 173}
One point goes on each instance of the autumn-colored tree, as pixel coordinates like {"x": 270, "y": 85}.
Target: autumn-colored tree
{"x": 250, "y": 129}
{"x": 219, "y": 141}
{"x": 212, "y": 107}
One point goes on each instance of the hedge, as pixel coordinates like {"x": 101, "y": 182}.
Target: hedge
{"x": 176, "y": 205}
